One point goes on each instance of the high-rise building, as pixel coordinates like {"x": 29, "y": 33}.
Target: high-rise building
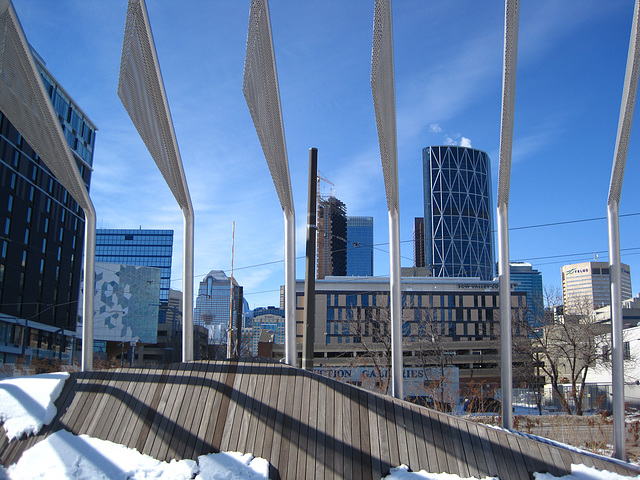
{"x": 360, "y": 246}
{"x": 213, "y": 305}
{"x": 268, "y": 319}
{"x": 418, "y": 242}
{"x": 332, "y": 238}
{"x": 42, "y": 236}
{"x": 146, "y": 248}
{"x": 457, "y": 212}
{"x": 586, "y": 286}
{"x": 529, "y": 280}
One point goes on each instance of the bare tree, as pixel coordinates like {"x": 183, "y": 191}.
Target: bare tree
{"x": 566, "y": 344}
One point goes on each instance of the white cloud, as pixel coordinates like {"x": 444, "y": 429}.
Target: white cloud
{"x": 465, "y": 142}
{"x": 435, "y": 128}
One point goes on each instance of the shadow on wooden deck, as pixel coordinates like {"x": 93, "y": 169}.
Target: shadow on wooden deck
{"x": 307, "y": 426}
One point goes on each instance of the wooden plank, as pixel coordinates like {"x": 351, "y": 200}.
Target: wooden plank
{"x": 265, "y": 437}
{"x": 401, "y": 433}
{"x": 215, "y": 385}
{"x": 171, "y": 424}
{"x": 458, "y": 445}
{"x": 248, "y": 411}
{"x": 374, "y": 436}
{"x": 236, "y": 409}
{"x": 426, "y": 443}
{"x": 511, "y": 442}
{"x": 182, "y": 432}
{"x": 481, "y": 468}
{"x": 390, "y": 425}
{"x": 279, "y": 453}
{"x": 341, "y": 452}
{"x": 303, "y": 418}
{"x": 88, "y": 384}
{"x": 294, "y": 428}
{"x": 111, "y": 399}
{"x": 330, "y": 424}
{"x": 354, "y": 417}
{"x": 137, "y": 407}
{"x": 411, "y": 434}
{"x": 224, "y": 405}
{"x": 321, "y": 431}
{"x": 256, "y": 427}
{"x": 144, "y": 423}
{"x": 159, "y": 434}
{"x": 122, "y": 391}
{"x": 365, "y": 433}
{"x": 532, "y": 455}
{"x": 194, "y": 411}
{"x": 503, "y": 467}
{"x": 313, "y": 433}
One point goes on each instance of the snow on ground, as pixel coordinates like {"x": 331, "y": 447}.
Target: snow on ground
{"x": 26, "y": 403}
{"x": 63, "y": 456}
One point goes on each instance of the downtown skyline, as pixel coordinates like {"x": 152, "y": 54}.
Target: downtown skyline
{"x": 448, "y": 67}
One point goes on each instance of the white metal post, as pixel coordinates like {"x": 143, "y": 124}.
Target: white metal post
{"x": 629, "y": 93}
{"x": 504, "y": 178}
{"x": 187, "y": 287}
{"x": 291, "y": 355}
{"x": 395, "y": 303}
{"x": 89, "y": 288}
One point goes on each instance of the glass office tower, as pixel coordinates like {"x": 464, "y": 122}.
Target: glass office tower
{"x": 457, "y": 212}
{"x": 360, "y": 246}
{"x": 42, "y": 236}
{"x": 529, "y": 281}
{"x": 145, "y": 248}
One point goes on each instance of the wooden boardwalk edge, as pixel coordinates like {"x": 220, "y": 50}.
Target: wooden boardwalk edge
{"x": 305, "y": 425}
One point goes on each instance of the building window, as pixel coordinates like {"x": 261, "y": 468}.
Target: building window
{"x": 7, "y": 226}
{"x": 26, "y": 236}
{"x": 44, "y": 245}
{"x": 10, "y": 204}
{"x": 29, "y": 213}
{"x": 627, "y": 351}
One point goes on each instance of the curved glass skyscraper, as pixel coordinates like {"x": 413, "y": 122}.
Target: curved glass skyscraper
{"x": 458, "y": 212}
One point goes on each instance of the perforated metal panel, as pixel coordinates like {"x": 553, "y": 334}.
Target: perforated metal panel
{"x": 142, "y": 93}
{"x": 25, "y": 103}
{"x": 384, "y": 98}
{"x": 629, "y": 93}
{"x": 260, "y": 88}
{"x": 512, "y": 8}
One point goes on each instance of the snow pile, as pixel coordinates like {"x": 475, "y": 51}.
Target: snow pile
{"x": 26, "y": 403}
{"x": 63, "y": 456}
{"x": 582, "y": 472}
{"x": 402, "y": 473}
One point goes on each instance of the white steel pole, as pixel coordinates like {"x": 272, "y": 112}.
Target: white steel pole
{"x": 187, "y": 287}
{"x": 291, "y": 356}
{"x": 629, "y": 93}
{"x": 89, "y": 287}
{"x": 395, "y": 302}
{"x": 504, "y": 178}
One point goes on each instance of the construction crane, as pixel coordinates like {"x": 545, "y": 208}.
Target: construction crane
{"x": 318, "y": 195}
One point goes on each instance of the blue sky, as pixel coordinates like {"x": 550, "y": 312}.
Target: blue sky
{"x": 448, "y": 67}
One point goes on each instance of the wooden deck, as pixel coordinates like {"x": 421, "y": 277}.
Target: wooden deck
{"x": 305, "y": 425}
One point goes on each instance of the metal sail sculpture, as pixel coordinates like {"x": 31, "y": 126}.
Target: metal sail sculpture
{"x": 261, "y": 92}
{"x": 384, "y": 101}
{"x": 141, "y": 90}
{"x": 629, "y": 93}
{"x": 24, "y": 101}
{"x": 504, "y": 177}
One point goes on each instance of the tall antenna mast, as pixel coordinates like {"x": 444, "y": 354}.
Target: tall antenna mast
{"x": 230, "y": 329}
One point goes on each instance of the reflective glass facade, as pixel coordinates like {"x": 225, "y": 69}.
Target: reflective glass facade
{"x": 270, "y": 319}
{"x": 126, "y": 303}
{"x": 41, "y": 237}
{"x": 360, "y": 246}
{"x": 213, "y": 304}
{"x": 147, "y": 248}
{"x": 458, "y": 212}
{"x": 529, "y": 281}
